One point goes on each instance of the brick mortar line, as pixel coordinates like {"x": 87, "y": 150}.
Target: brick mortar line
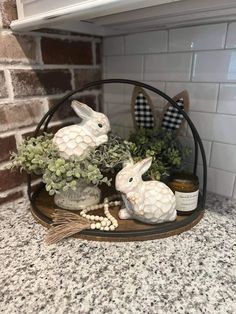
{"x": 72, "y": 81}
{"x": 15, "y": 62}
{"x": 81, "y": 37}
{"x": 28, "y": 98}
{"x": 7, "y": 133}
{"x": 18, "y": 99}
{"x": 4, "y": 100}
{"x": 1, "y": 21}
{"x": 45, "y": 105}
{"x": 18, "y": 138}
{"x": 39, "y": 57}
{"x": 31, "y": 128}
{"x": 13, "y": 190}
{"x": 93, "y": 92}
{"x": 47, "y": 66}
{"x": 9, "y": 85}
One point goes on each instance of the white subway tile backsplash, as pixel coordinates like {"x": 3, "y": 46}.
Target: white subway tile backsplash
{"x": 113, "y": 93}
{"x": 227, "y": 99}
{"x": 119, "y": 115}
{"x": 234, "y": 194}
{"x": 127, "y": 67}
{"x": 186, "y": 141}
{"x": 190, "y": 58}
{"x": 148, "y": 42}
{"x": 204, "y": 37}
{"x": 223, "y": 157}
{"x": 113, "y": 46}
{"x": 220, "y": 182}
{"x": 215, "y": 127}
{"x": 168, "y": 67}
{"x": 215, "y": 66}
{"x": 231, "y": 36}
{"x": 202, "y": 96}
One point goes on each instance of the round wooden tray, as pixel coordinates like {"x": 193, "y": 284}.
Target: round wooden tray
{"x": 128, "y": 230}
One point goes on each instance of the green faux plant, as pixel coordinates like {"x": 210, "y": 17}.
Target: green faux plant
{"x": 41, "y": 157}
{"x": 163, "y": 146}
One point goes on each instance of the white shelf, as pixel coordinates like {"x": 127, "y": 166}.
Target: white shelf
{"x": 111, "y": 17}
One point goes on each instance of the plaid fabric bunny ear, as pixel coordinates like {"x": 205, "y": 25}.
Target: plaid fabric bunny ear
{"x": 142, "y": 109}
{"x": 172, "y": 119}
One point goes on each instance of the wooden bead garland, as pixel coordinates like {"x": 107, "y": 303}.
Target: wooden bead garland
{"x": 107, "y": 223}
{"x": 66, "y": 223}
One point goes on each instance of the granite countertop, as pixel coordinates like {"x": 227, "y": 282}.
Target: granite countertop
{"x": 194, "y": 272}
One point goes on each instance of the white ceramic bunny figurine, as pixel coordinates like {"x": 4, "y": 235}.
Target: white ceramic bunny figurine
{"x": 79, "y": 139}
{"x": 148, "y": 201}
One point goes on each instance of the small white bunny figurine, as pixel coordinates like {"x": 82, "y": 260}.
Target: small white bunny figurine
{"x": 79, "y": 139}
{"x": 148, "y": 201}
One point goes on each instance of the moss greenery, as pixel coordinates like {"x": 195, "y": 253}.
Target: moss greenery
{"x": 41, "y": 157}
{"x": 163, "y": 146}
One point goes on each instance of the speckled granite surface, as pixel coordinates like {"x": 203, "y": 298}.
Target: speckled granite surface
{"x": 191, "y": 273}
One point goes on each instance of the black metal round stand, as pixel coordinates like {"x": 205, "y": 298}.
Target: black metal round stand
{"x": 197, "y": 144}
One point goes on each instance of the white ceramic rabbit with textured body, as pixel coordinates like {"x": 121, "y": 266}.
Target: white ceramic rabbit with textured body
{"x": 79, "y": 139}
{"x": 148, "y": 201}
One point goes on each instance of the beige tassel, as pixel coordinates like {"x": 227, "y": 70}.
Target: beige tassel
{"x": 64, "y": 225}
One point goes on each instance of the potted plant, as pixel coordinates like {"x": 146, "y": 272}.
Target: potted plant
{"x": 163, "y": 146}
{"x": 73, "y": 181}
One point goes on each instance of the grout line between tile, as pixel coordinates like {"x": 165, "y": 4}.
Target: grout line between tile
{"x": 192, "y": 67}
{"x": 217, "y": 99}
{"x": 210, "y": 155}
{"x": 226, "y": 35}
{"x": 234, "y": 188}
{"x": 168, "y": 40}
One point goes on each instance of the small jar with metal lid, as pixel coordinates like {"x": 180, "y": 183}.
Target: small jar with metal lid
{"x": 186, "y": 189}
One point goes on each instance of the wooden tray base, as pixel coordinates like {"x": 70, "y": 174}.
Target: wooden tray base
{"x": 128, "y": 230}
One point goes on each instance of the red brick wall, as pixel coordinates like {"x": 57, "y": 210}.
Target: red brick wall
{"x": 37, "y": 69}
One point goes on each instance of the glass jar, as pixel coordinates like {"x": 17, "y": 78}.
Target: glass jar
{"x": 186, "y": 189}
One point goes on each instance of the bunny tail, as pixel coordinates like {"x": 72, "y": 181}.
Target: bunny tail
{"x": 65, "y": 224}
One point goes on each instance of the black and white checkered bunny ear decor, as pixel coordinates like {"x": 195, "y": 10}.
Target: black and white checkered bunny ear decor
{"x": 172, "y": 119}
{"x": 142, "y": 109}
{"x": 145, "y": 117}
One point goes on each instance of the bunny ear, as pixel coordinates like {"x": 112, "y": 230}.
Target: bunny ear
{"x": 82, "y": 110}
{"x": 172, "y": 119}
{"x": 142, "y": 109}
{"x": 143, "y": 165}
